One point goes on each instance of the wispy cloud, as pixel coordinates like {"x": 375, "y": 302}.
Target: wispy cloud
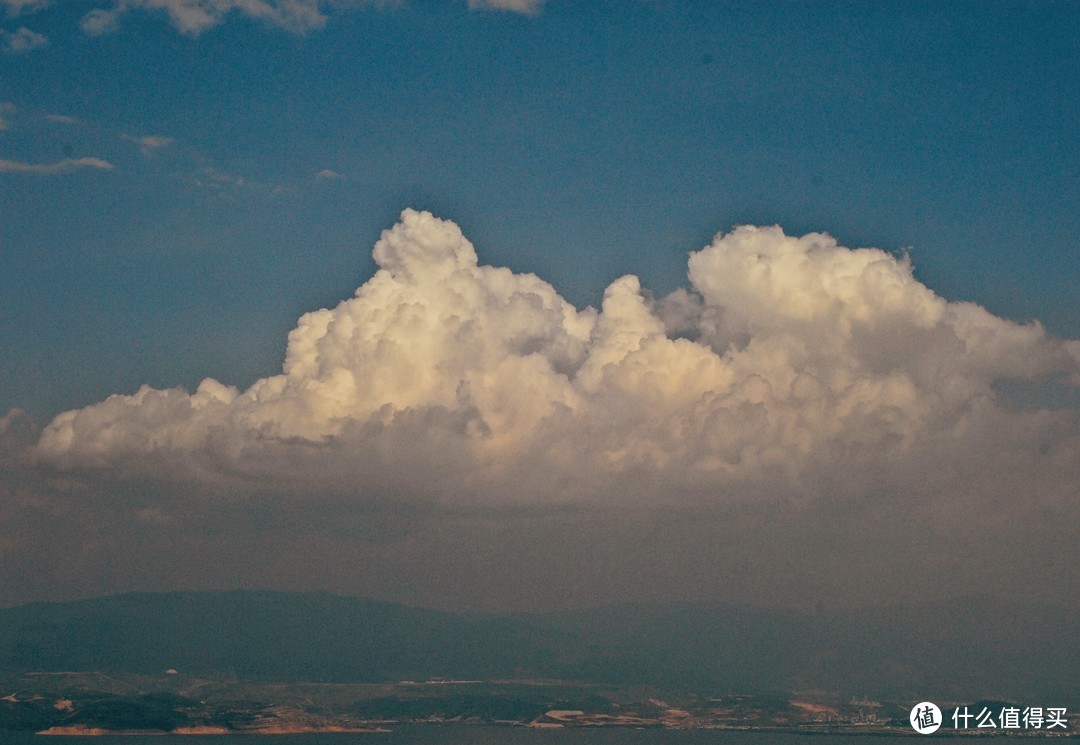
{"x": 101, "y": 21}
{"x": 15, "y": 7}
{"x": 149, "y": 144}
{"x": 328, "y": 175}
{"x": 61, "y": 119}
{"x": 68, "y": 165}
{"x": 5, "y": 109}
{"x": 195, "y": 16}
{"x": 212, "y": 178}
{"x": 526, "y": 7}
{"x": 20, "y": 41}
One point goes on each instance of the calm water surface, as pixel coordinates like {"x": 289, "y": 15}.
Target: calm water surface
{"x": 466, "y": 735}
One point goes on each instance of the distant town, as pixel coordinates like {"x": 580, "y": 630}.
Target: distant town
{"x": 66, "y": 703}
{"x": 257, "y": 661}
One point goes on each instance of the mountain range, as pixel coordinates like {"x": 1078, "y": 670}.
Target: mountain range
{"x": 955, "y": 650}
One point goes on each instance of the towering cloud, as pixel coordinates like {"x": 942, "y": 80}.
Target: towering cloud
{"x": 793, "y": 367}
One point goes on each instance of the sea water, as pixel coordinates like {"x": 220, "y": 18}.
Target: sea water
{"x": 476, "y": 735}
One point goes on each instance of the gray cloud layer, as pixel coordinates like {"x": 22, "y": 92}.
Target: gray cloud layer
{"x": 805, "y": 416}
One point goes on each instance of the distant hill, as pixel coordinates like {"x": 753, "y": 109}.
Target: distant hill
{"x": 958, "y": 650}
{"x": 952, "y": 650}
{"x": 265, "y": 635}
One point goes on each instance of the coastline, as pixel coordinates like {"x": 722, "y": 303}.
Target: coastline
{"x": 82, "y": 730}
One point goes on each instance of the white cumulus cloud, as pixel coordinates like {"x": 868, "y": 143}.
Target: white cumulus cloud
{"x": 792, "y": 367}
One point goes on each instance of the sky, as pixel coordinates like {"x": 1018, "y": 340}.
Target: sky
{"x": 538, "y": 304}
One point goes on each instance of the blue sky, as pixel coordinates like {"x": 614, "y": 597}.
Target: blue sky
{"x": 580, "y": 141}
{"x": 194, "y": 392}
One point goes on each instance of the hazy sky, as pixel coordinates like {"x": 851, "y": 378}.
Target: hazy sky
{"x": 513, "y": 304}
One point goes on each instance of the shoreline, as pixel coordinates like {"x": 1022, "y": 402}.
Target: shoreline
{"x": 84, "y": 731}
